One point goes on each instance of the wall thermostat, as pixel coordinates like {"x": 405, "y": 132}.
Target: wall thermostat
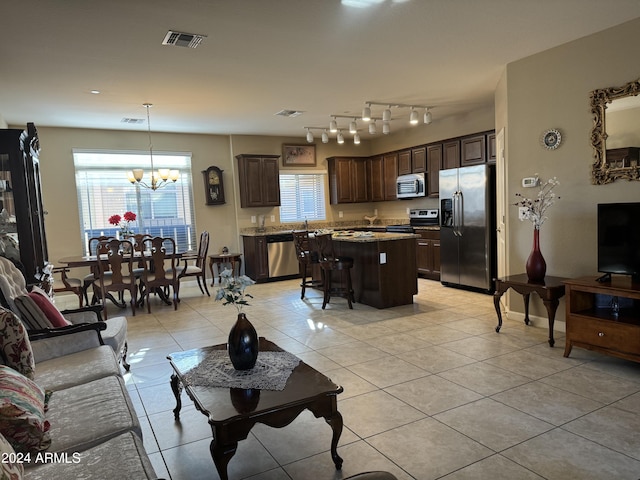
{"x": 529, "y": 182}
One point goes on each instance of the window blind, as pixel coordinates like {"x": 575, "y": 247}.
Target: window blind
{"x": 103, "y": 190}
{"x": 302, "y": 197}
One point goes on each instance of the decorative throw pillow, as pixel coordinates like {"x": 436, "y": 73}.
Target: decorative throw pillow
{"x": 9, "y": 468}
{"x": 30, "y": 313}
{"x": 22, "y": 419}
{"x": 15, "y": 344}
{"x": 49, "y": 309}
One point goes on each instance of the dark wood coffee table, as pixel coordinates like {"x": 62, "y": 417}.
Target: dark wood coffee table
{"x": 233, "y": 412}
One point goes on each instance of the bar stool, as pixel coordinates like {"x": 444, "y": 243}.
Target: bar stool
{"x": 329, "y": 263}
{"x": 306, "y": 259}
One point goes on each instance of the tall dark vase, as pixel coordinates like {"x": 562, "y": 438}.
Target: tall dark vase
{"x": 536, "y": 266}
{"x": 243, "y": 344}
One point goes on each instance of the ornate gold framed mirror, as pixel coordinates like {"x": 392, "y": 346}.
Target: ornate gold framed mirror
{"x": 616, "y": 144}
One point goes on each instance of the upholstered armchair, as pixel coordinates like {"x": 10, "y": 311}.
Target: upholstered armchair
{"x": 37, "y": 311}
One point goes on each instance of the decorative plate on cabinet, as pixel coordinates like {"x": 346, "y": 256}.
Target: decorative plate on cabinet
{"x": 551, "y": 139}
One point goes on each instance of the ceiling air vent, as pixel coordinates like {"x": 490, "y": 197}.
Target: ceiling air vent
{"x": 134, "y": 121}
{"x": 289, "y": 113}
{"x": 181, "y": 39}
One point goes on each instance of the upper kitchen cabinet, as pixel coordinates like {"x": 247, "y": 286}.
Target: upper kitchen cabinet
{"x": 451, "y": 154}
{"x": 259, "y": 180}
{"x": 390, "y": 169}
{"x": 404, "y": 162}
{"x": 375, "y": 178}
{"x": 434, "y": 165}
{"x": 491, "y": 148}
{"x": 419, "y": 159}
{"x": 347, "y": 179}
{"x": 22, "y": 233}
{"x": 473, "y": 150}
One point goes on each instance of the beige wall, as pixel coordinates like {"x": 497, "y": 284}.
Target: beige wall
{"x": 551, "y": 90}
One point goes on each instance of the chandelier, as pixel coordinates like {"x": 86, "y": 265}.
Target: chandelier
{"x": 159, "y": 178}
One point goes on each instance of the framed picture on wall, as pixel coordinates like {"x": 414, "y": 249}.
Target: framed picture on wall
{"x": 299, "y": 155}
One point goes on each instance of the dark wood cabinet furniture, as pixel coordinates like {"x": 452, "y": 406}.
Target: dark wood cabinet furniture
{"x": 390, "y": 168}
{"x": 451, "y": 154}
{"x": 259, "y": 180}
{"x": 550, "y": 290}
{"x": 473, "y": 150}
{"x": 404, "y": 162}
{"x": 22, "y": 228}
{"x": 231, "y": 259}
{"x": 623, "y": 157}
{"x": 347, "y": 179}
{"x": 428, "y": 254}
{"x": 604, "y": 316}
{"x": 375, "y": 178}
{"x": 232, "y": 412}
{"x": 256, "y": 261}
{"x": 434, "y": 164}
{"x": 419, "y": 159}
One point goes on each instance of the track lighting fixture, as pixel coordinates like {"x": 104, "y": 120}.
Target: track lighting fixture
{"x": 353, "y": 126}
{"x": 325, "y": 137}
{"x": 366, "y": 113}
{"x": 386, "y": 129}
{"x": 356, "y": 138}
{"x": 372, "y": 127}
{"x": 333, "y": 125}
{"x": 340, "y": 137}
{"x": 309, "y": 136}
{"x": 413, "y": 117}
{"x": 386, "y": 115}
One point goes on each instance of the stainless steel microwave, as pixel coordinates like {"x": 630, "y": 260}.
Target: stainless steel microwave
{"x": 411, "y": 186}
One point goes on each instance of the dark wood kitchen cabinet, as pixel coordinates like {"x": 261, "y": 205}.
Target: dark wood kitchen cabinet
{"x": 419, "y": 159}
{"x": 434, "y": 164}
{"x": 347, "y": 179}
{"x": 428, "y": 254}
{"x": 22, "y": 231}
{"x": 390, "y": 166}
{"x": 375, "y": 178}
{"x": 404, "y": 162}
{"x": 451, "y": 154}
{"x": 473, "y": 150}
{"x": 256, "y": 260}
{"x": 492, "y": 153}
{"x": 259, "y": 180}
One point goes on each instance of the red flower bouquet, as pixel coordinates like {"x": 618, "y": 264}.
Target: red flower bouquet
{"x": 125, "y": 226}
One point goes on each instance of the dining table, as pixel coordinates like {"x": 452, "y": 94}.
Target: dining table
{"x": 91, "y": 261}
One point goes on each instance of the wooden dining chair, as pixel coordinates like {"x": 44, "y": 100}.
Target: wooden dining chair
{"x": 197, "y": 268}
{"x": 115, "y": 271}
{"x": 330, "y": 263}
{"x": 69, "y": 284}
{"x": 93, "y": 245}
{"x": 160, "y": 270}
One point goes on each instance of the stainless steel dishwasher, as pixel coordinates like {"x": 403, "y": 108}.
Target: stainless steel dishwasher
{"x": 281, "y": 254}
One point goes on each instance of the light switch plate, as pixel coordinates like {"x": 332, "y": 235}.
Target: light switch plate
{"x": 340, "y": 214}
{"x": 522, "y": 213}
{"x": 383, "y": 258}
{"x": 273, "y": 218}
{"x": 253, "y": 219}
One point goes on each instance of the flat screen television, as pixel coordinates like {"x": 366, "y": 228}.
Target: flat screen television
{"x": 619, "y": 239}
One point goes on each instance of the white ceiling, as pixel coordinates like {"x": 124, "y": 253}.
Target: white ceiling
{"x": 262, "y": 56}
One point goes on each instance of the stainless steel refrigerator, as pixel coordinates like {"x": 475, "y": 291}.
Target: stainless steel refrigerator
{"x": 468, "y": 227}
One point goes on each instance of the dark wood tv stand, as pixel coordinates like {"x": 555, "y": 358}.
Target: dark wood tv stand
{"x": 598, "y": 327}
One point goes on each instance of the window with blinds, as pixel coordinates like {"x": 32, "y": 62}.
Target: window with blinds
{"x": 302, "y": 197}
{"x": 104, "y": 190}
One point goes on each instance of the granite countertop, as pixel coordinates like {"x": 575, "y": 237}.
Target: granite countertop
{"x": 373, "y": 237}
{"x": 336, "y": 226}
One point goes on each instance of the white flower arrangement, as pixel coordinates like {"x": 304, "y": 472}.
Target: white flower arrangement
{"x": 232, "y": 289}
{"x": 536, "y": 208}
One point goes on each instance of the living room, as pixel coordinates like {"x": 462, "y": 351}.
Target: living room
{"x": 548, "y": 89}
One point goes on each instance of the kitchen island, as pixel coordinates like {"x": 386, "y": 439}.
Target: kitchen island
{"x": 384, "y": 270}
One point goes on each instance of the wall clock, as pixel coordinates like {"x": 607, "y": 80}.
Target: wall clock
{"x": 213, "y": 186}
{"x": 551, "y": 139}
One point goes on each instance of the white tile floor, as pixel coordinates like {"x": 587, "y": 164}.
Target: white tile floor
{"x": 430, "y": 391}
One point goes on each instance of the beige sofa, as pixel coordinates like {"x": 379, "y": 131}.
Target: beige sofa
{"x": 94, "y": 431}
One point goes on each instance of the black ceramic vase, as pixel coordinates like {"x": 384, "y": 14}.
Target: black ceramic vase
{"x": 243, "y": 344}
